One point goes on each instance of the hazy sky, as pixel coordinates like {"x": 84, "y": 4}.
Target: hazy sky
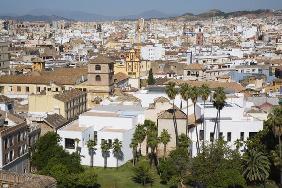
{"x": 126, "y": 7}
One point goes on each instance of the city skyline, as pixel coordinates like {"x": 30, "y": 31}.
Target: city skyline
{"x": 127, "y": 7}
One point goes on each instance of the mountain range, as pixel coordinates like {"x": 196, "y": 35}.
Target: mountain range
{"x": 54, "y": 15}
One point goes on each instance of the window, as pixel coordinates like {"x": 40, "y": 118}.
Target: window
{"x": 6, "y": 143}
{"x": 201, "y": 134}
{"x": 110, "y": 142}
{"x": 252, "y": 134}
{"x": 10, "y": 88}
{"x": 102, "y": 141}
{"x": 19, "y": 89}
{"x": 95, "y": 136}
{"x": 98, "y": 78}
{"x": 11, "y": 155}
{"x": 220, "y": 135}
{"x": 27, "y": 89}
{"x": 229, "y": 137}
{"x": 188, "y": 73}
{"x": 97, "y": 67}
{"x": 69, "y": 143}
{"x": 211, "y": 136}
{"x": 242, "y": 136}
{"x": 19, "y": 137}
{"x": 38, "y": 89}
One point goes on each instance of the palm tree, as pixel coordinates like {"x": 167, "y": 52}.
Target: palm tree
{"x": 275, "y": 121}
{"x": 152, "y": 142}
{"x": 105, "y": 147}
{"x": 134, "y": 145}
{"x": 194, "y": 97}
{"x": 165, "y": 139}
{"x": 256, "y": 166}
{"x": 171, "y": 92}
{"x": 185, "y": 92}
{"x": 219, "y": 98}
{"x": 140, "y": 135}
{"x": 118, "y": 154}
{"x": 205, "y": 93}
{"x": 91, "y": 145}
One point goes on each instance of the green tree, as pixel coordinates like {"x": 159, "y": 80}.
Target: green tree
{"x": 205, "y": 93}
{"x": 143, "y": 174}
{"x": 275, "y": 122}
{"x": 184, "y": 141}
{"x": 152, "y": 141}
{"x": 105, "y": 147}
{"x": 195, "y": 93}
{"x": 171, "y": 92}
{"x": 118, "y": 154}
{"x": 256, "y": 166}
{"x": 219, "y": 98}
{"x": 185, "y": 92}
{"x": 140, "y": 135}
{"x": 216, "y": 166}
{"x": 151, "y": 79}
{"x": 165, "y": 139}
{"x": 88, "y": 179}
{"x": 133, "y": 145}
{"x": 91, "y": 145}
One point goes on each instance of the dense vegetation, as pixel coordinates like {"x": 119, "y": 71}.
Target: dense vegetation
{"x": 216, "y": 165}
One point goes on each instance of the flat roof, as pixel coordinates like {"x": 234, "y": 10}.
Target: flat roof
{"x": 73, "y": 126}
{"x": 117, "y": 108}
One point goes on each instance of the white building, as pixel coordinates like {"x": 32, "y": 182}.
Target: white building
{"x": 152, "y": 52}
{"x": 235, "y": 122}
{"x": 107, "y": 122}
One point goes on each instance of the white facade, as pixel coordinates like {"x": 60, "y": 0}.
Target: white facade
{"x": 152, "y": 53}
{"x": 235, "y": 123}
{"x": 108, "y": 123}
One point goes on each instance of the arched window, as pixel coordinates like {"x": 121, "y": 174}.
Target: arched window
{"x": 97, "y": 67}
{"x": 98, "y": 78}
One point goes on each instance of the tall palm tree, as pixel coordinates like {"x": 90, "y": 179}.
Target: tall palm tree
{"x": 205, "y": 93}
{"x": 105, "y": 147}
{"x": 171, "y": 92}
{"x": 91, "y": 145}
{"x": 275, "y": 121}
{"x": 185, "y": 92}
{"x": 256, "y": 166}
{"x": 165, "y": 139}
{"x": 118, "y": 154}
{"x": 133, "y": 145}
{"x": 219, "y": 98}
{"x": 140, "y": 135}
{"x": 152, "y": 142}
{"x": 195, "y": 92}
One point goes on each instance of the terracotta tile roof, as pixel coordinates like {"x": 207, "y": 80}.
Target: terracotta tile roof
{"x": 168, "y": 114}
{"x": 212, "y": 84}
{"x": 101, "y": 59}
{"x": 161, "y": 100}
{"x": 62, "y": 76}
{"x": 55, "y": 121}
{"x": 4, "y": 99}
{"x": 37, "y": 60}
{"x": 120, "y": 77}
{"x": 68, "y": 95}
{"x": 194, "y": 66}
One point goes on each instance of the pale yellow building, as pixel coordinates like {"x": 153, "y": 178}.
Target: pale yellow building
{"x": 68, "y": 104}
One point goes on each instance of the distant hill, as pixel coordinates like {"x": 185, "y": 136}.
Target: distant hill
{"x": 54, "y": 15}
{"x": 34, "y": 18}
{"x": 219, "y": 13}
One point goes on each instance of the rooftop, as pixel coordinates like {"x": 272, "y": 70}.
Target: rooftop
{"x": 68, "y": 95}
